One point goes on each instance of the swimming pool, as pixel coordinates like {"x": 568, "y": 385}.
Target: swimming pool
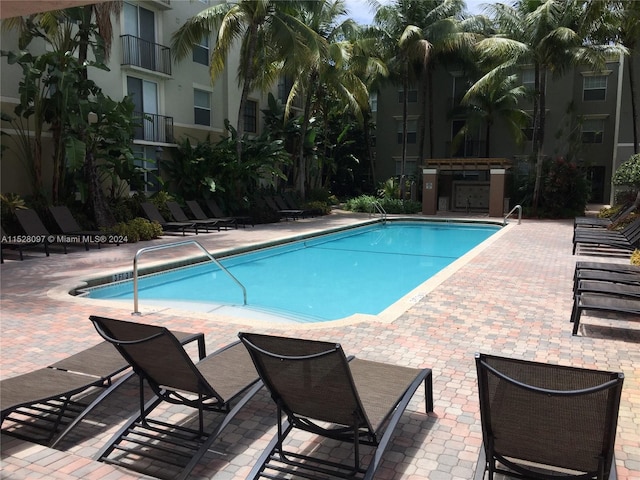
{"x": 359, "y": 270}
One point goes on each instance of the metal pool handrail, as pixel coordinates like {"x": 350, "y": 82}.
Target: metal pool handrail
{"x": 517, "y": 207}
{"x": 383, "y": 213}
{"x": 172, "y": 245}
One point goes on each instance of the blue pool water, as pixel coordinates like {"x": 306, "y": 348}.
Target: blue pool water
{"x": 361, "y": 270}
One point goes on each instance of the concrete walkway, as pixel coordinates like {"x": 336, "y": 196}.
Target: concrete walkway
{"x": 511, "y": 297}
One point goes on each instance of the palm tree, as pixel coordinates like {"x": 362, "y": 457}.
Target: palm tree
{"x": 449, "y": 34}
{"x": 326, "y": 78}
{"x": 407, "y": 54}
{"x": 367, "y": 64}
{"x": 268, "y": 31}
{"x": 491, "y": 102}
{"x": 72, "y": 30}
{"x": 552, "y": 36}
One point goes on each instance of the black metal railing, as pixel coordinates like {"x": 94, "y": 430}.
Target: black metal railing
{"x": 154, "y": 128}
{"x": 145, "y": 54}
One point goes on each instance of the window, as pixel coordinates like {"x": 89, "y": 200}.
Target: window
{"x": 412, "y": 96}
{"x": 412, "y": 127}
{"x": 148, "y": 174}
{"x": 529, "y": 78}
{"x": 140, "y": 25}
{"x": 144, "y": 95}
{"x": 594, "y": 87}
{"x": 410, "y": 166}
{"x": 201, "y": 107}
{"x": 528, "y": 130}
{"x": 373, "y": 101}
{"x": 592, "y": 130}
{"x": 201, "y": 51}
{"x": 251, "y": 116}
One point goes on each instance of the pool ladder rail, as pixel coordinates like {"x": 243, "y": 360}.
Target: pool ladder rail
{"x": 517, "y": 207}
{"x": 380, "y": 209}
{"x": 173, "y": 245}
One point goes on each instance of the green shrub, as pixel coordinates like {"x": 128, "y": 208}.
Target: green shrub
{"x": 137, "y": 229}
{"x": 317, "y": 206}
{"x": 635, "y": 257}
{"x": 364, "y": 203}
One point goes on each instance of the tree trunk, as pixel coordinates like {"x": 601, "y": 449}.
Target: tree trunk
{"x": 246, "y": 87}
{"x": 538, "y": 132}
{"x": 634, "y": 108}
{"x": 302, "y": 161}
{"x": 366, "y": 129}
{"x": 422, "y": 120}
{"x": 405, "y": 115}
{"x": 430, "y": 90}
{"x": 487, "y": 141}
{"x": 96, "y": 198}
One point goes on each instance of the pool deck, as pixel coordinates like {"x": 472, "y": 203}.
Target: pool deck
{"x": 510, "y": 297}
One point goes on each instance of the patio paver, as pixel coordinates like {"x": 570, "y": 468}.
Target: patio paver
{"x": 512, "y": 298}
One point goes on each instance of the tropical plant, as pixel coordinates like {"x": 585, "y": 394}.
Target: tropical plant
{"x": 496, "y": 100}
{"x": 628, "y": 173}
{"x": 407, "y": 54}
{"x": 552, "y": 36}
{"x": 269, "y": 33}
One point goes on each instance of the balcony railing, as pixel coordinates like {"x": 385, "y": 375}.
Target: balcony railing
{"x": 154, "y": 128}
{"x": 145, "y": 54}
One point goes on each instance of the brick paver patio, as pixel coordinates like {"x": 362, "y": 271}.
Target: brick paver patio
{"x": 510, "y": 297}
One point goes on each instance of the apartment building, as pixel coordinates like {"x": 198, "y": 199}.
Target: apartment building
{"x": 587, "y": 113}
{"x": 173, "y": 100}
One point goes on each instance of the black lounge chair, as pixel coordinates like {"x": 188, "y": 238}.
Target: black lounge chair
{"x": 602, "y": 302}
{"x": 34, "y": 228}
{"x": 284, "y": 206}
{"x": 212, "y": 384}
{"x": 153, "y": 214}
{"x": 285, "y": 213}
{"x": 7, "y": 242}
{"x": 44, "y": 404}
{"x": 179, "y": 216}
{"x": 69, "y": 226}
{"x": 217, "y": 212}
{"x": 626, "y": 239}
{"x": 293, "y": 204}
{"x": 598, "y": 222}
{"x": 199, "y": 214}
{"x": 543, "y": 421}
{"x": 313, "y": 384}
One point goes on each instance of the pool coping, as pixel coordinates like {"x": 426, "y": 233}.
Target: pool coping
{"x": 255, "y": 317}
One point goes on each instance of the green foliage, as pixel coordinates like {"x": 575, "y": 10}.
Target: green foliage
{"x": 137, "y": 229}
{"x": 635, "y": 257}
{"x": 317, "y": 206}
{"x": 565, "y": 191}
{"x": 208, "y": 169}
{"x": 629, "y": 172}
{"x": 606, "y": 212}
{"x": 365, "y": 204}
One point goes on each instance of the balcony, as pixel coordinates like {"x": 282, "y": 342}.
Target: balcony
{"x": 144, "y": 54}
{"x": 154, "y": 128}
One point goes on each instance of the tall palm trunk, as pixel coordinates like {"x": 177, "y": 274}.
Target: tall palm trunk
{"x": 246, "y": 86}
{"x": 634, "y": 108}
{"x": 302, "y": 160}
{"x": 405, "y": 117}
{"x": 538, "y": 132}
{"x": 366, "y": 130}
{"x": 96, "y": 198}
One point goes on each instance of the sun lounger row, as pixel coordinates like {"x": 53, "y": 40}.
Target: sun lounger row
{"x": 627, "y": 239}
{"x": 319, "y": 390}
{"x": 605, "y": 287}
